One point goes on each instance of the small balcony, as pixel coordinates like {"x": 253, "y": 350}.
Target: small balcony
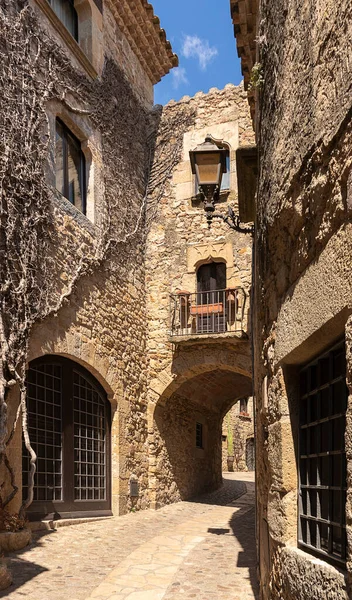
{"x": 213, "y": 315}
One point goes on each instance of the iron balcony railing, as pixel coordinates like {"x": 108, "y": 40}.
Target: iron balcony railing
{"x": 204, "y": 313}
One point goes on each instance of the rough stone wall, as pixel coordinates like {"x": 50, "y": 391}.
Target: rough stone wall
{"x": 102, "y": 324}
{"x": 95, "y": 331}
{"x": 120, "y": 50}
{"x": 186, "y": 470}
{"x": 303, "y": 263}
{"x": 178, "y": 228}
{"x": 242, "y": 428}
{"x": 178, "y": 241}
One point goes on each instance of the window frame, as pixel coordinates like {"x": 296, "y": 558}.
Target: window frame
{"x": 74, "y": 16}
{"x": 228, "y": 171}
{"x": 244, "y": 405}
{"x": 82, "y": 171}
{"x": 318, "y": 494}
{"x": 68, "y": 506}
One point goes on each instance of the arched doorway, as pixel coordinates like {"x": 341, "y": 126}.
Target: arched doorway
{"x": 186, "y": 447}
{"x": 69, "y": 427}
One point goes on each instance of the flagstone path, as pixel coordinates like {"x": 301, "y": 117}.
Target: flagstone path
{"x": 203, "y": 550}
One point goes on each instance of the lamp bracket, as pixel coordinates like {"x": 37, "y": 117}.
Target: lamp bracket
{"x": 233, "y": 221}
{"x": 210, "y": 194}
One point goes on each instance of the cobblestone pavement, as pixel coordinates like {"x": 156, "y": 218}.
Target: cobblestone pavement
{"x": 204, "y": 549}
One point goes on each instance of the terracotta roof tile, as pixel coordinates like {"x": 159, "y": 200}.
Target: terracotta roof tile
{"x": 244, "y": 16}
{"x": 141, "y": 26}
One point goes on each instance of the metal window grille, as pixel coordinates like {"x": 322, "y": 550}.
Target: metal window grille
{"x": 69, "y": 427}
{"x": 322, "y": 499}
{"x": 199, "y": 435}
{"x": 44, "y": 400}
{"x": 89, "y": 441}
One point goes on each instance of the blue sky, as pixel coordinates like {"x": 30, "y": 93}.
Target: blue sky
{"x": 201, "y": 34}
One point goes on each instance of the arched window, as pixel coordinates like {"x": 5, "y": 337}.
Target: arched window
{"x": 69, "y": 428}
{"x": 211, "y": 298}
{"x": 211, "y": 277}
{"x": 67, "y": 14}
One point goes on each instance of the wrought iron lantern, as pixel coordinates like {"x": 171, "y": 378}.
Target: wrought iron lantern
{"x": 208, "y": 162}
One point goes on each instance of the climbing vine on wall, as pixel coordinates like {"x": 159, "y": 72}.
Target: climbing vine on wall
{"x": 34, "y": 71}
{"x": 170, "y": 126}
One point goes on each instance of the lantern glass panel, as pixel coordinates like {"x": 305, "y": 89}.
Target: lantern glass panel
{"x": 208, "y": 168}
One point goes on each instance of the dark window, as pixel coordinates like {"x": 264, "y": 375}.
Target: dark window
{"x": 211, "y": 277}
{"x": 243, "y": 404}
{"x": 70, "y": 167}
{"x": 211, "y": 298}
{"x": 323, "y": 404}
{"x": 199, "y": 435}
{"x": 69, "y": 428}
{"x": 250, "y": 454}
{"x": 67, "y": 14}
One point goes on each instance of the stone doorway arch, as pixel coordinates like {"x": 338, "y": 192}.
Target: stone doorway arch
{"x": 193, "y": 395}
{"x": 69, "y": 422}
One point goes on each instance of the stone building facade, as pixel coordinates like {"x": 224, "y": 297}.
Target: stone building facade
{"x": 88, "y": 344}
{"x": 238, "y": 447}
{"x": 124, "y": 402}
{"x": 302, "y": 306}
{"x": 195, "y": 374}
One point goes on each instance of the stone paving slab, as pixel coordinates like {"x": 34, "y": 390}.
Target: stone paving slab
{"x": 140, "y": 556}
{"x": 223, "y": 566}
{"x": 177, "y": 561}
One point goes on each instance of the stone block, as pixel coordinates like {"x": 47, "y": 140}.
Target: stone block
{"x": 281, "y": 454}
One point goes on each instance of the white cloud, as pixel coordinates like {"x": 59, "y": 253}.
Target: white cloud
{"x": 194, "y": 47}
{"x": 179, "y": 75}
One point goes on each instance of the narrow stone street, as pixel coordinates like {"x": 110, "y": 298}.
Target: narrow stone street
{"x": 204, "y": 549}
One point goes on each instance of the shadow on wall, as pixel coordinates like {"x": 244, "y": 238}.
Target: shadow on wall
{"x": 183, "y": 469}
{"x": 186, "y": 463}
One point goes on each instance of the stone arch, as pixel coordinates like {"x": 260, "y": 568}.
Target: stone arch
{"x": 187, "y": 364}
{"x": 78, "y": 348}
{"x": 53, "y": 337}
{"x": 91, "y": 368}
{"x": 203, "y": 253}
{"x": 174, "y": 404}
{"x": 210, "y": 258}
{"x": 69, "y": 423}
